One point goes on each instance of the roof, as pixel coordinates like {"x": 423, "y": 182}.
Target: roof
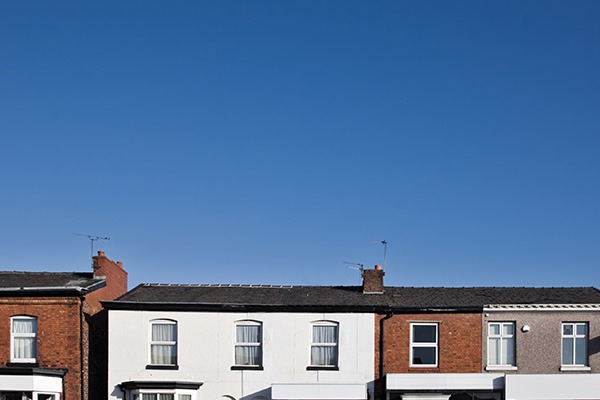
{"x": 341, "y": 298}
{"x": 27, "y": 283}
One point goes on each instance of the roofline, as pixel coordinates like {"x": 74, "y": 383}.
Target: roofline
{"x": 194, "y": 306}
{"x": 54, "y": 290}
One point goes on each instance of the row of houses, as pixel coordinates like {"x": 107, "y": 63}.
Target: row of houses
{"x": 83, "y": 336}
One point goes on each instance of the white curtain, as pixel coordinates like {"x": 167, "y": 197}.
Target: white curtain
{"x": 24, "y": 341}
{"x": 164, "y": 347}
{"x": 248, "y": 354}
{"x": 324, "y": 354}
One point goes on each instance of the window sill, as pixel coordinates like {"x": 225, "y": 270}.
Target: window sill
{"x": 322, "y": 368}
{"x": 419, "y": 366}
{"x": 501, "y": 368}
{"x": 575, "y": 368}
{"x": 20, "y": 364}
{"x": 174, "y": 367}
{"x": 247, "y": 367}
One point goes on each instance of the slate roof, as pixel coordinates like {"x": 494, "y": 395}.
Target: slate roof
{"x": 341, "y": 298}
{"x": 24, "y": 282}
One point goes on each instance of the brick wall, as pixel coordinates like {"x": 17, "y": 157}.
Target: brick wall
{"x": 116, "y": 282}
{"x": 459, "y": 341}
{"x": 59, "y": 336}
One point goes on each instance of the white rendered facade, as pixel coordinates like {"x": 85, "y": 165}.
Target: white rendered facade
{"x": 205, "y": 355}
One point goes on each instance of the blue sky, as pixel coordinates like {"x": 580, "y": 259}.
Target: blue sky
{"x": 270, "y": 141}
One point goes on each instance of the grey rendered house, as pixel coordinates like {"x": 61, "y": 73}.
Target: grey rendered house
{"x": 545, "y": 340}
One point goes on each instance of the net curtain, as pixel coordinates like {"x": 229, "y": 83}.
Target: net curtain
{"x": 247, "y": 351}
{"x": 324, "y": 348}
{"x": 24, "y": 332}
{"x": 164, "y": 343}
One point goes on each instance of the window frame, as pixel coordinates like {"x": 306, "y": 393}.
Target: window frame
{"x": 503, "y": 363}
{"x": 335, "y": 345}
{"x": 14, "y": 336}
{"x": 173, "y": 343}
{"x": 258, "y": 344}
{"x": 434, "y": 345}
{"x": 137, "y": 394}
{"x": 573, "y": 337}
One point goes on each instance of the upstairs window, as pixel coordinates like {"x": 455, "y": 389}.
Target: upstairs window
{"x": 424, "y": 345}
{"x": 501, "y": 344}
{"x": 574, "y": 344}
{"x": 24, "y": 339}
{"x": 324, "y": 346}
{"x": 163, "y": 343}
{"x": 248, "y": 344}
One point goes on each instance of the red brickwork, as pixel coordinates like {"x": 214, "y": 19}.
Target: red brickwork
{"x": 459, "y": 344}
{"x": 59, "y": 338}
{"x": 116, "y": 282}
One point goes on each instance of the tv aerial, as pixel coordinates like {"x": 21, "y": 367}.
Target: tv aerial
{"x": 92, "y": 238}
{"x": 356, "y": 266}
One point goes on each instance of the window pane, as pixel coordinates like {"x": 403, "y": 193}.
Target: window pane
{"x": 247, "y": 333}
{"x": 163, "y": 332}
{"x": 24, "y": 348}
{"x": 324, "y": 334}
{"x": 324, "y": 355}
{"x": 507, "y": 329}
{"x": 424, "y": 355}
{"x": 494, "y": 351}
{"x": 247, "y": 355}
{"x": 148, "y": 396}
{"x": 163, "y": 354}
{"x": 24, "y": 325}
{"x": 567, "y": 351}
{"x": 508, "y": 358}
{"x": 567, "y": 329}
{"x": 582, "y": 329}
{"x": 424, "y": 334}
{"x": 580, "y": 351}
{"x": 163, "y": 396}
{"x": 494, "y": 329}
{"x": 185, "y": 397}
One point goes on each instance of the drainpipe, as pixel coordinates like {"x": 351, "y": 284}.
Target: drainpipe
{"x": 81, "y": 347}
{"x": 388, "y": 315}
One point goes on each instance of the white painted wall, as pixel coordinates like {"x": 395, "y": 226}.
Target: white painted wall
{"x": 206, "y": 351}
{"x": 553, "y": 387}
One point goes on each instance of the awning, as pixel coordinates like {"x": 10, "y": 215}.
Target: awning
{"x": 553, "y": 387}
{"x": 319, "y": 391}
{"x": 440, "y": 382}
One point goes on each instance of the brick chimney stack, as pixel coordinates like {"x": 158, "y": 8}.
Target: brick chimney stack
{"x": 116, "y": 280}
{"x": 373, "y": 280}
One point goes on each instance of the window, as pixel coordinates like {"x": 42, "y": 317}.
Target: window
{"x": 248, "y": 343}
{"x": 501, "y": 344}
{"x": 163, "y": 344}
{"x": 423, "y": 345}
{"x": 24, "y": 339}
{"x": 574, "y": 344}
{"x": 324, "y": 346}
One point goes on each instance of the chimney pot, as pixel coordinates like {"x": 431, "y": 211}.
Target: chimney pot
{"x": 100, "y": 253}
{"x": 120, "y": 264}
{"x": 378, "y": 267}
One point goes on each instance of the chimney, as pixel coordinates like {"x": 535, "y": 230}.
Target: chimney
{"x": 373, "y": 280}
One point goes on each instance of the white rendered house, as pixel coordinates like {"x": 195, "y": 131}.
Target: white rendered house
{"x": 206, "y": 342}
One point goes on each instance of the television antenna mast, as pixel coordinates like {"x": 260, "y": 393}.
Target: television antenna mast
{"x": 92, "y": 239}
{"x": 384, "y": 243}
{"x": 356, "y": 266}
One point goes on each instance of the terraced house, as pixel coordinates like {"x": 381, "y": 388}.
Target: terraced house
{"x": 53, "y": 332}
{"x": 234, "y": 342}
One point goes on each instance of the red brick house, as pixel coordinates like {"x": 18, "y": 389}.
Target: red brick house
{"x": 51, "y": 326}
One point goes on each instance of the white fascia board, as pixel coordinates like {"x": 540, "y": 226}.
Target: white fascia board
{"x": 552, "y": 387}
{"x": 407, "y": 382}
{"x": 541, "y": 307}
{"x": 31, "y": 383}
{"x": 324, "y": 391}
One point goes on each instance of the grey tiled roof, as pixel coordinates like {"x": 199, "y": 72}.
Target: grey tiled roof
{"x": 343, "y": 298}
{"x": 23, "y": 281}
